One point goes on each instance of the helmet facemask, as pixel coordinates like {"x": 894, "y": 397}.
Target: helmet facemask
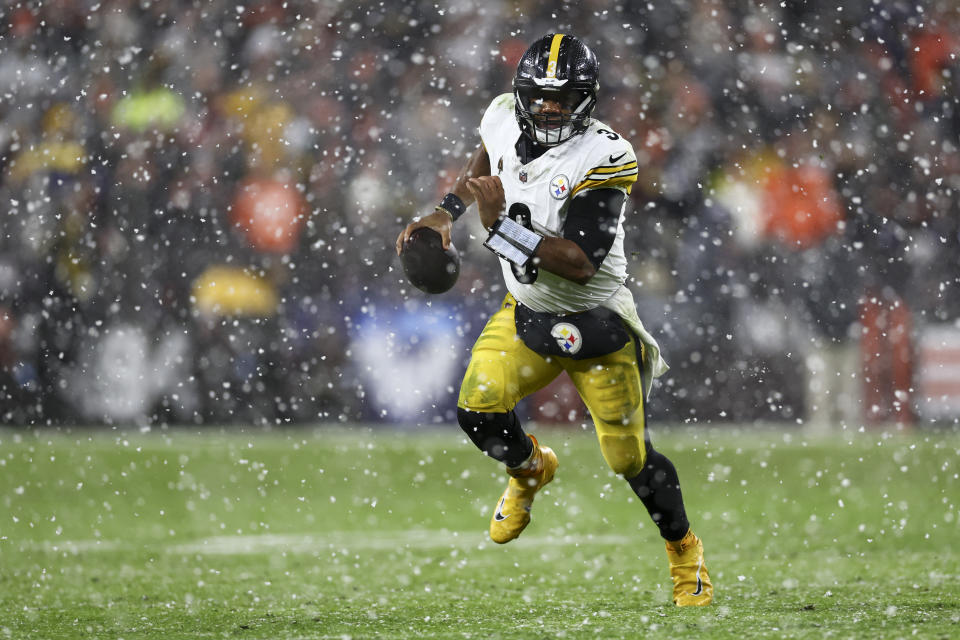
{"x": 553, "y": 127}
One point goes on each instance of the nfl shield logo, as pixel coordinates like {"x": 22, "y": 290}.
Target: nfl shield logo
{"x": 523, "y": 175}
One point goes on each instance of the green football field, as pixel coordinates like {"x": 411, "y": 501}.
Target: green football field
{"x": 321, "y": 533}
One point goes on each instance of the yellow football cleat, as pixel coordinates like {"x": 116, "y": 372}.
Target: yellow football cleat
{"x": 691, "y": 583}
{"x": 513, "y": 510}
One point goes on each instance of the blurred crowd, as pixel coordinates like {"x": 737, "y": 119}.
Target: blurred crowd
{"x": 200, "y": 198}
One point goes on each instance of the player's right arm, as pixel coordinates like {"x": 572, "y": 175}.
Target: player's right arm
{"x": 469, "y": 180}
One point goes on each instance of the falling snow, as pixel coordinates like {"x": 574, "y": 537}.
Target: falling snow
{"x": 199, "y": 200}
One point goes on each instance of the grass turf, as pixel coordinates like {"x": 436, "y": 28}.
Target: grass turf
{"x": 376, "y": 534}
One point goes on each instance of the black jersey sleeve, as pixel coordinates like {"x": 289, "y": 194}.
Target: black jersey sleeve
{"x": 592, "y": 221}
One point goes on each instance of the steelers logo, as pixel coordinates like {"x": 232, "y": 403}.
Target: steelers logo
{"x": 568, "y": 337}
{"x": 560, "y": 186}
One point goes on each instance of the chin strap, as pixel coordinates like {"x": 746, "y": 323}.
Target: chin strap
{"x": 563, "y": 134}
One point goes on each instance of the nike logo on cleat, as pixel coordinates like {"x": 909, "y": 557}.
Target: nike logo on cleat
{"x": 699, "y": 582}
{"x": 498, "y": 515}
{"x": 612, "y": 159}
{"x": 699, "y": 587}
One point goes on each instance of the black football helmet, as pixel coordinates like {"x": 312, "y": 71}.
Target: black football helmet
{"x": 556, "y": 67}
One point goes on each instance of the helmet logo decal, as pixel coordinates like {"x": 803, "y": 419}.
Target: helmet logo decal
{"x": 560, "y": 186}
{"x": 567, "y": 336}
{"x": 523, "y": 175}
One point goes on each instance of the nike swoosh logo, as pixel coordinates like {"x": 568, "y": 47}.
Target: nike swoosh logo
{"x": 612, "y": 159}
{"x": 498, "y": 515}
{"x": 699, "y": 582}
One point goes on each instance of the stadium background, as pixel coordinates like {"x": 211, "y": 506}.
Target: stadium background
{"x": 200, "y": 202}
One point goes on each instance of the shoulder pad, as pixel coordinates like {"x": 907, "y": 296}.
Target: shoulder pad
{"x": 612, "y": 162}
{"x": 500, "y": 108}
{"x": 502, "y": 104}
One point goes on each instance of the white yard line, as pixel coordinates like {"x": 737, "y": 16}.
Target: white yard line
{"x": 334, "y": 540}
{"x": 65, "y": 546}
{"x": 358, "y": 540}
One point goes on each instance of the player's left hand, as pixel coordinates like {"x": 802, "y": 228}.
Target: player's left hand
{"x": 488, "y": 192}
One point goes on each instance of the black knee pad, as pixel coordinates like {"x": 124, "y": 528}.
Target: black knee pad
{"x": 499, "y": 435}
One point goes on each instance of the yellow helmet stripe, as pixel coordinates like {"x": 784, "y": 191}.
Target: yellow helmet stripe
{"x": 554, "y": 54}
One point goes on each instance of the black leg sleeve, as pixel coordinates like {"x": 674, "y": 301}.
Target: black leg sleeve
{"x": 658, "y": 487}
{"x": 499, "y": 435}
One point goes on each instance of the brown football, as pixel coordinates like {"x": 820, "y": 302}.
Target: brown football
{"x": 427, "y": 265}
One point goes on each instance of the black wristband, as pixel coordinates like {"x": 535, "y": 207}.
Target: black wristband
{"x": 453, "y": 205}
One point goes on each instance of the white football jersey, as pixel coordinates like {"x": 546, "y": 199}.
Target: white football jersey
{"x": 596, "y": 158}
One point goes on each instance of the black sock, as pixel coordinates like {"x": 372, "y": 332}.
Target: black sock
{"x": 499, "y": 435}
{"x": 658, "y": 487}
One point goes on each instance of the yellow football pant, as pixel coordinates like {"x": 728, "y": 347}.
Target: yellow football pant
{"x": 503, "y": 370}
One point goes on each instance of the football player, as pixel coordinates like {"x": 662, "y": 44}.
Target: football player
{"x": 551, "y": 184}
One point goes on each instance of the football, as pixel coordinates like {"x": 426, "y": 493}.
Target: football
{"x": 427, "y": 265}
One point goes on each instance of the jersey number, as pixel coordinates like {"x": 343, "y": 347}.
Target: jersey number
{"x": 522, "y": 216}
{"x": 610, "y": 134}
